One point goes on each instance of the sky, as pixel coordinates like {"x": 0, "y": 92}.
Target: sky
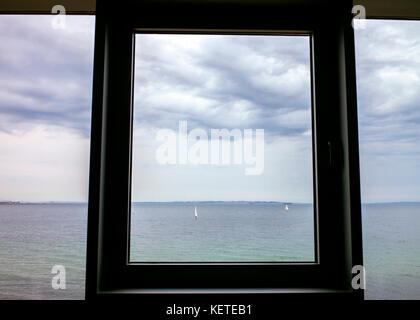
{"x": 45, "y": 102}
{"x": 215, "y": 82}
{"x": 388, "y": 89}
{"x": 212, "y": 82}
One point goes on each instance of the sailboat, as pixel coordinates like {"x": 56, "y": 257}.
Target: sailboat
{"x": 286, "y": 207}
{"x": 195, "y": 213}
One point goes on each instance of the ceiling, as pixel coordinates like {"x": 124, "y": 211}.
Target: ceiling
{"x": 389, "y": 9}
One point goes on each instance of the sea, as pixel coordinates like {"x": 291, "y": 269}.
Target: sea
{"x": 36, "y": 237}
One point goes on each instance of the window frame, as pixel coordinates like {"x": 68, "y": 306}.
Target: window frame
{"x": 295, "y": 33}
{"x": 335, "y": 151}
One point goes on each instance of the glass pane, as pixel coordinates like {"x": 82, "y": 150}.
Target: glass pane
{"x": 222, "y": 149}
{"x": 388, "y": 82}
{"x": 45, "y": 103}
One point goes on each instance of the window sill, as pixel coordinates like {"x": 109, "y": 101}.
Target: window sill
{"x": 223, "y": 291}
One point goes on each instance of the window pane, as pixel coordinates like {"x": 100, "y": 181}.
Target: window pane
{"x": 222, "y": 149}
{"x": 45, "y": 103}
{"x": 388, "y": 81}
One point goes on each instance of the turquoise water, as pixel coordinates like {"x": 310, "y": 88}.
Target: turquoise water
{"x": 33, "y": 238}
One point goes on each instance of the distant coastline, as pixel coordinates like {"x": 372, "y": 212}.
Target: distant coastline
{"x": 45, "y": 202}
{"x": 219, "y": 202}
{"x": 203, "y": 202}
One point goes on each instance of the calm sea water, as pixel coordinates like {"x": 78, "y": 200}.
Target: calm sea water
{"x": 391, "y": 241}
{"x": 33, "y": 238}
{"x": 222, "y": 232}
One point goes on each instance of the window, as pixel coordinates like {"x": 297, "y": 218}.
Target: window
{"x": 241, "y": 189}
{"x": 337, "y": 240}
{"x": 45, "y": 104}
{"x": 388, "y": 73}
{"x": 387, "y": 62}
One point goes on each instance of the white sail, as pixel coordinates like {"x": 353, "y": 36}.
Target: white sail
{"x": 286, "y": 207}
{"x": 195, "y": 213}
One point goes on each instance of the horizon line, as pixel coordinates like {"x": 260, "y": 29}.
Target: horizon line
{"x": 5, "y": 202}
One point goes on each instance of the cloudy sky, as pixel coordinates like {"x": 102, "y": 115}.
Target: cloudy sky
{"x": 212, "y": 82}
{"x": 388, "y": 83}
{"x": 45, "y": 101}
{"x": 216, "y": 82}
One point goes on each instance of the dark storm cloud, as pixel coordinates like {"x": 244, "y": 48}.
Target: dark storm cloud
{"x": 388, "y": 78}
{"x": 224, "y": 81}
{"x": 45, "y": 73}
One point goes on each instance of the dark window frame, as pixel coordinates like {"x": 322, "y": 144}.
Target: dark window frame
{"x": 336, "y": 158}
{"x": 295, "y": 33}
